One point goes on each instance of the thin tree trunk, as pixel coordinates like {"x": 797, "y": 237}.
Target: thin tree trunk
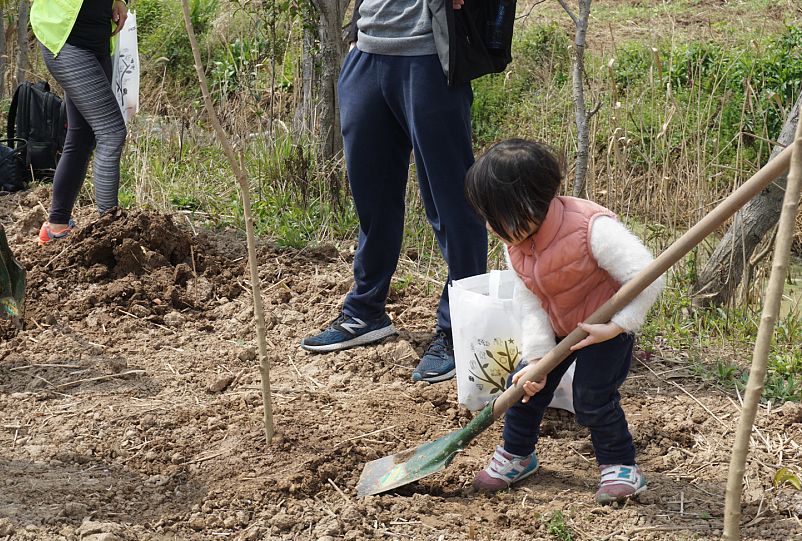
{"x": 22, "y": 42}
{"x": 3, "y": 59}
{"x": 721, "y": 275}
{"x": 578, "y": 93}
{"x": 332, "y": 51}
{"x": 245, "y": 194}
{"x": 305, "y": 113}
{"x": 757, "y": 374}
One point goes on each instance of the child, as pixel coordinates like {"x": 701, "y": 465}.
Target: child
{"x": 571, "y": 256}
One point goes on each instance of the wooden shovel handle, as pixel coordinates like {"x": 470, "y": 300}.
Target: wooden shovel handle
{"x": 712, "y": 221}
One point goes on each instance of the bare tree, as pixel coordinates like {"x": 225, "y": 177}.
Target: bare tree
{"x": 323, "y": 49}
{"x": 245, "y": 194}
{"x": 304, "y": 114}
{"x": 723, "y": 272}
{"x": 3, "y": 58}
{"x": 583, "y": 116}
{"x": 22, "y": 41}
{"x": 757, "y": 373}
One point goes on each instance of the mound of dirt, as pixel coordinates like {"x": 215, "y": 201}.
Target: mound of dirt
{"x": 138, "y": 262}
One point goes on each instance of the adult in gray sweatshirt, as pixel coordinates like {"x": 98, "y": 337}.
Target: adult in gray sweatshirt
{"x": 403, "y": 90}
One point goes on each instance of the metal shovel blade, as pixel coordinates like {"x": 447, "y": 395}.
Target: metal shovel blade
{"x": 407, "y": 466}
{"x": 12, "y": 281}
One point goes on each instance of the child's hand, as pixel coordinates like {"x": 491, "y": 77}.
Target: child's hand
{"x": 531, "y": 388}
{"x": 600, "y": 332}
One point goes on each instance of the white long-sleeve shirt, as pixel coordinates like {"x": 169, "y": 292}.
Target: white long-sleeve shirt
{"x": 618, "y": 252}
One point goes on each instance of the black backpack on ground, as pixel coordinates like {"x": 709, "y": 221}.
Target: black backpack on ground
{"x": 13, "y": 174}
{"x": 39, "y": 117}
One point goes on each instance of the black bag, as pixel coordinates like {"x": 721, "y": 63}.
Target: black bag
{"x": 483, "y": 38}
{"x": 13, "y": 173}
{"x": 39, "y": 117}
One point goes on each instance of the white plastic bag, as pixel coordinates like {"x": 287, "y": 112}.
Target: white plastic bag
{"x": 125, "y": 68}
{"x": 487, "y": 332}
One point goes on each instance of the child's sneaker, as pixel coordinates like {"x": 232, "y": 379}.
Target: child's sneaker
{"x": 46, "y": 234}
{"x": 505, "y": 469}
{"x": 619, "y": 482}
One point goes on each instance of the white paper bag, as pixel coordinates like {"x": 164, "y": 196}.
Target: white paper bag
{"x": 125, "y": 68}
{"x": 486, "y": 326}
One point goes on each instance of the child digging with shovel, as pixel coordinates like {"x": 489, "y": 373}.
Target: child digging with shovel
{"x": 571, "y": 256}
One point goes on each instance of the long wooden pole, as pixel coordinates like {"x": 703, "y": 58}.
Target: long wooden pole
{"x": 767, "y": 174}
{"x": 757, "y": 373}
{"x": 245, "y": 194}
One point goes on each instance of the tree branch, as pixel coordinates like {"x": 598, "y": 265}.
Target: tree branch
{"x": 594, "y": 110}
{"x": 570, "y": 13}
{"x": 528, "y": 13}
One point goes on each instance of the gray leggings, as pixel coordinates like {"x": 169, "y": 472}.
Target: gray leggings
{"x": 94, "y": 123}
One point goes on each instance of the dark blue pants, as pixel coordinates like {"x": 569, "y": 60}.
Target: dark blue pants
{"x": 391, "y": 106}
{"x": 600, "y": 371}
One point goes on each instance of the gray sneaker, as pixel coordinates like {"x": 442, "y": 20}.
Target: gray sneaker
{"x": 437, "y": 364}
{"x": 347, "y": 332}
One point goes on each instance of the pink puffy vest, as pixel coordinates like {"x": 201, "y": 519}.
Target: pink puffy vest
{"x": 558, "y": 266}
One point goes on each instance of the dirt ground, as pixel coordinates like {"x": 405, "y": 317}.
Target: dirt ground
{"x": 130, "y": 410}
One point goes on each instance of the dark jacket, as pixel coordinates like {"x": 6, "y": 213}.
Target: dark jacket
{"x": 465, "y": 40}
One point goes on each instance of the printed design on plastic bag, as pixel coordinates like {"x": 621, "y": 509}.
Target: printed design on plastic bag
{"x": 126, "y": 69}
{"x": 493, "y": 360}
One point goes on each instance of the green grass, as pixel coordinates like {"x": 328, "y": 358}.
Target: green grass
{"x": 719, "y": 341}
{"x": 783, "y": 381}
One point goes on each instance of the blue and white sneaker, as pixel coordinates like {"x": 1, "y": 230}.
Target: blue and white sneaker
{"x": 437, "y": 364}
{"x": 505, "y": 469}
{"x": 346, "y": 332}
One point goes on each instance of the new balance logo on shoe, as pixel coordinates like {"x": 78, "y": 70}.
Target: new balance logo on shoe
{"x": 625, "y": 473}
{"x": 346, "y": 332}
{"x": 353, "y": 328}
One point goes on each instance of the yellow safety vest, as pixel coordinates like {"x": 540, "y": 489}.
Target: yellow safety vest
{"x": 52, "y": 21}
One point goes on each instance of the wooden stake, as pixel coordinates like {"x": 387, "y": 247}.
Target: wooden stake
{"x": 245, "y": 194}
{"x": 757, "y": 374}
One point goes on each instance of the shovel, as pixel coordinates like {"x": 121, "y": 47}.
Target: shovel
{"x": 12, "y": 282}
{"x": 402, "y": 468}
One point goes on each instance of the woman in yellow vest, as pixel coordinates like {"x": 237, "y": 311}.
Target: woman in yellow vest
{"x": 75, "y": 38}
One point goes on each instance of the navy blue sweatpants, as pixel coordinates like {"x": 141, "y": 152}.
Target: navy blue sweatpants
{"x": 391, "y": 106}
{"x": 600, "y": 371}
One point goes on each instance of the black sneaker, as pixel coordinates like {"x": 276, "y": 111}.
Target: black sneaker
{"x": 437, "y": 364}
{"x": 346, "y": 332}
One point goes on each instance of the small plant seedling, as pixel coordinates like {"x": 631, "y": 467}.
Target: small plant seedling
{"x": 786, "y": 476}
{"x": 558, "y": 528}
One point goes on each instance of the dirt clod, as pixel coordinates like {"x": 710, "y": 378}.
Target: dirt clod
{"x": 221, "y": 384}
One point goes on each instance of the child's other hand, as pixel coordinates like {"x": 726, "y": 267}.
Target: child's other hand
{"x": 531, "y": 388}
{"x": 600, "y": 332}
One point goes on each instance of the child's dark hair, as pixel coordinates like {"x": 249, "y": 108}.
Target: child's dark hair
{"x": 512, "y": 184}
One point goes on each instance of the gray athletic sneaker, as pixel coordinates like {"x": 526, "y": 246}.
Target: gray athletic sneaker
{"x": 346, "y": 332}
